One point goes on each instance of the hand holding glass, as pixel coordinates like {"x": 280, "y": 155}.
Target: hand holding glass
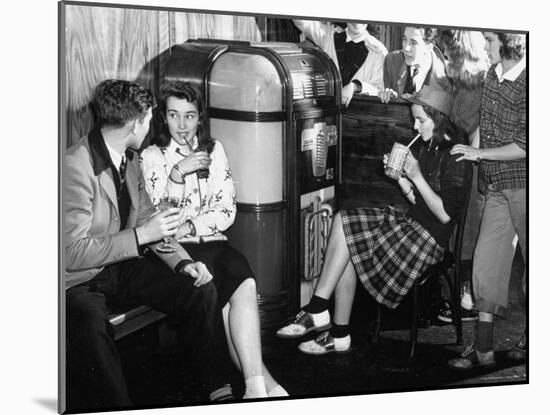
{"x": 167, "y": 202}
{"x": 396, "y": 159}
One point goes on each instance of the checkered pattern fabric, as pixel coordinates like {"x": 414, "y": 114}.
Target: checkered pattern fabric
{"x": 503, "y": 121}
{"x": 389, "y": 251}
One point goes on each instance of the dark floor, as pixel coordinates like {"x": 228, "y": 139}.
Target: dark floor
{"x": 161, "y": 379}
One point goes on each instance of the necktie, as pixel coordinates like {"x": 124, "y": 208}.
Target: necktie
{"x": 413, "y": 79}
{"x": 122, "y": 170}
{"x": 410, "y": 81}
{"x": 123, "y": 195}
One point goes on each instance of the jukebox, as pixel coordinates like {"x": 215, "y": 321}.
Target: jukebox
{"x": 276, "y": 109}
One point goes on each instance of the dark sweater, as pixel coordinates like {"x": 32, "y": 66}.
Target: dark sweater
{"x": 451, "y": 180}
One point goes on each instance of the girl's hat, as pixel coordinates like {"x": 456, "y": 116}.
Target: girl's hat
{"x": 432, "y": 95}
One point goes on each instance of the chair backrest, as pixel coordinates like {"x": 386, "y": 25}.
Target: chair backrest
{"x": 459, "y": 236}
{"x": 454, "y": 250}
{"x": 460, "y": 227}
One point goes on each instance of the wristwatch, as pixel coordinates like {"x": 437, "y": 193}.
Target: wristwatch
{"x": 478, "y": 158}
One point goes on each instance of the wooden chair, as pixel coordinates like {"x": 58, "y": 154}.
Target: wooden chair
{"x": 450, "y": 261}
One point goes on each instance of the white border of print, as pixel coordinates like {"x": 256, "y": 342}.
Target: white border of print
{"x": 29, "y": 269}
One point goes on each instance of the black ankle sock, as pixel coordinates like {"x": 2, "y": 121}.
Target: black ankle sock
{"x": 338, "y": 330}
{"x": 317, "y": 305}
{"x": 484, "y": 337}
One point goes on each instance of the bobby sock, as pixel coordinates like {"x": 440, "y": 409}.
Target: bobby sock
{"x": 484, "y": 337}
{"x": 338, "y": 330}
{"x": 317, "y": 305}
{"x": 255, "y": 388}
{"x": 466, "y": 301}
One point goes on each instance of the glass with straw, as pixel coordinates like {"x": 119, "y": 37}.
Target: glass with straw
{"x": 396, "y": 159}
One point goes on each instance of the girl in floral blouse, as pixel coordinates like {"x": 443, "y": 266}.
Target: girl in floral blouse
{"x": 185, "y": 161}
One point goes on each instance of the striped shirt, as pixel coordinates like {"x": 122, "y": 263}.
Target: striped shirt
{"x": 503, "y": 121}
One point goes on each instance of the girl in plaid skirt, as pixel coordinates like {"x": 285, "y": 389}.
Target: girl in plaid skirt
{"x": 387, "y": 250}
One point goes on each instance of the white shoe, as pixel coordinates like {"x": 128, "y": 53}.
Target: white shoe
{"x": 304, "y": 323}
{"x": 325, "y": 343}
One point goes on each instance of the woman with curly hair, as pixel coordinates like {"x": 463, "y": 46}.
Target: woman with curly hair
{"x": 467, "y": 64}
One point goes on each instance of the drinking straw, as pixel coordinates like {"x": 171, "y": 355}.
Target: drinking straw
{"x": 413, "y": 140}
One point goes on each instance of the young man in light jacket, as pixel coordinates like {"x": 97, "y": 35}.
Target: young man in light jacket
{"x": 109, "y": 222}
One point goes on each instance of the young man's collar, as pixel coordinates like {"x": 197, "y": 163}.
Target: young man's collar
{"x": 116, "y": 157}
{"x": 423, "y": 67}
{"x": 355, "y": 39}
{"x": 101, "y": 157}
{"x": 513, "y": 73}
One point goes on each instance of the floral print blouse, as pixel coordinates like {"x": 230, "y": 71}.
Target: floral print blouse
{"x": 209, "y": 203}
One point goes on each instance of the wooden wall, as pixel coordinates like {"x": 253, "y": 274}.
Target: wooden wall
{"x": 111, "y": 42}
{"x": 104, "y": 42}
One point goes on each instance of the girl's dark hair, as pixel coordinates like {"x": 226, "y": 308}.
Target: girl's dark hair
{"x": 513, "y": 45}
{"x": 186, "y": 91}
{"x": 442, "y": 126}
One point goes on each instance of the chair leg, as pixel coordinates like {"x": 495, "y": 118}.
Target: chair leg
{"x": 414, "y": 321}
{"x": 454, "y": 284}
{"x": 457, "y": 318}
{"x": 376, "y": 335}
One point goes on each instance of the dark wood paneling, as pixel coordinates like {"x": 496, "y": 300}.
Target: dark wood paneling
{"x": 281, "y": 30}
{"x": 131, "y": 44}
{"x": 395, "y": 37}
{"x": 369, "y": 129}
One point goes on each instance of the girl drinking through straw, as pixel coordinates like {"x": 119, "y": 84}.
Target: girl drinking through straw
{"x": 384, "y": 249}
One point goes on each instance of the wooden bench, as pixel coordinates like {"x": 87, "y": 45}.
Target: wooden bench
{"x": 128, "y": 321}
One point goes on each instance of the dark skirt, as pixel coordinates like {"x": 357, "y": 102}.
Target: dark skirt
{"x": 227, "y": 265}
{"x": 389, "y": 251}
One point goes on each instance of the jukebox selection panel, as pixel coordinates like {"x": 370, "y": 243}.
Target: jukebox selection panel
{"x": 310, "y": 78}
{"x": 310, "y": 85}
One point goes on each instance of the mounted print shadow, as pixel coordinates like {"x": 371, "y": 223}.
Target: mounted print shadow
{"x": 260, "y": 207}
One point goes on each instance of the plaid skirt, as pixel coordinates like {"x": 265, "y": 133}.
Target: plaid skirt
{"x": 389, "y": 251}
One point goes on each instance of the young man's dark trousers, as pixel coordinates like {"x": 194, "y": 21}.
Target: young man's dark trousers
{"x": 94, "y": 374}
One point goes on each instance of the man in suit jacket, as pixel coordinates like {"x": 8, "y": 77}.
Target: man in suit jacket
{"x": 419, "y": 63}
{"x": 109, "y": 220}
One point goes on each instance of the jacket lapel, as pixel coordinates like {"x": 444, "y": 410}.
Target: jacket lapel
{"x": 132, "y": 183}
{"x": 402, "y": 77}
{"x": 107, "y": 183}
